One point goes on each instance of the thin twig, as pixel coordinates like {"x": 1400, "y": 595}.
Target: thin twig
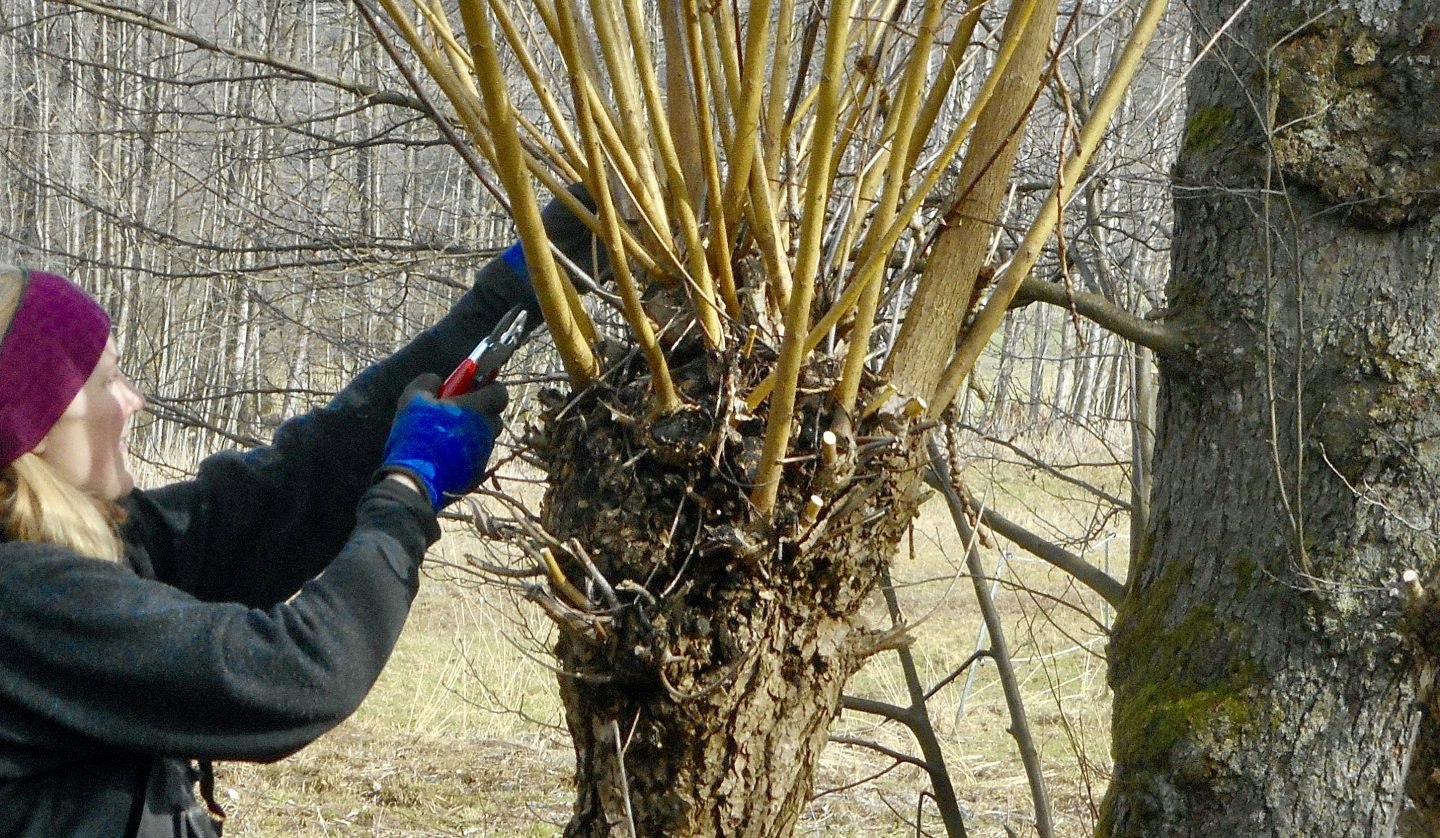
{"x": 1004, "y": 667}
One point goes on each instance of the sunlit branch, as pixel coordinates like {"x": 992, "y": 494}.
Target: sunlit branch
{"x": 718, "y": 250}
{"x": 812, "y": 219}
{"x": 769, "y": 236}
{"x": 580, "y": 62}
{"x": 450, "y": 83}
{"x": 517, "y": 42}
{"x": 775, "y": 128}
{"x": 902, "y": 115}
{"x": 673, "y": 118}
{"x": 462, "y": 69}
{"x": 664, "y": 397}
{"x": 750, "y": 98}
{"x": 872, "y": 269}
{"x": 949, "y": 67}
{"x": 620, "y": 59}
{"x": 569, "y": 325}
{"x": 944, "y": 290}
{"x": 455, "y": 52}
{"x": 1009, "y": 282}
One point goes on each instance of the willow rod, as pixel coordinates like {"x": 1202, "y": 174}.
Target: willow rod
{"x": 461, "y": 68}
{"x": 812, "y": 222}
{"x": 460, "y": 61}
{"x": 765, "y": 227}
{"x": 580, "y": 61}
{"x": 718, "y": 249}
{"x": 466, "y": 106}
{"x": 625, "y": 85}
{"x": 902, "y": 114}
{"x": 775, "y": 128}
{"x": 569, "y": 324}
{"x": 699, "y": 283}
{"x": 516, "y": 39}
{"x": 528, "y": 66}
{"x": 1009, "y": 282}
{"x": 944, "y": 79}
{"x": 664, "y": 398}
{"x": 748, "y": 107}
{"x": 470, "y": 112}
{"x": 869, "y": 270}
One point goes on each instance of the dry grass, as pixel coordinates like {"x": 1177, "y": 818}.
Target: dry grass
{"x": 463, "y": 735}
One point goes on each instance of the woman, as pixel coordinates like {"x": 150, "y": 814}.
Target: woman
{"x": 238, "y": 615}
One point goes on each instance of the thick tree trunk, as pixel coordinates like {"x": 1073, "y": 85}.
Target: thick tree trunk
{"x": 699, "y": 699}
{"x": 1268, "y": 679}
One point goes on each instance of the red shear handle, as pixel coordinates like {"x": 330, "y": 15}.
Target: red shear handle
{"x": 460, "y": 380}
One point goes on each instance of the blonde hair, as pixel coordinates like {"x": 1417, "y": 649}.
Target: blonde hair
{"x": 36, "y": 503}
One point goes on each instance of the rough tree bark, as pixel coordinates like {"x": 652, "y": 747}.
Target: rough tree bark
{"x": 1268, "y": 679}
{"x": 700, "y": 705}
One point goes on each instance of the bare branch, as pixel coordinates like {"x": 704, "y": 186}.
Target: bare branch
{"x": 1019, "y": 722}
{"x": 1162, "y": 339}
{"x": 136, "y": 17}
{"x": 1092, "y": 577}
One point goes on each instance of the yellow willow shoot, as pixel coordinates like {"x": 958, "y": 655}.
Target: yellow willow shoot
{"x": 722, "y": 63}
{"x": 625, "y": 85}
{"x": 569, "y": 325}
{"x": 872, "y": 269}
{"x": 471, "y": 114}
{"x": 903, "y": 109}
{"x": 679, "y": 104}
{"x": 744, "y": 141}
{"x": 516, "y": 41}
{"x": 458, "y": 77}
{"x": 470, "y": 111}
{"x": 943, "y": 293}
{"x": 459, "y": 58}
{"x": 664, "y": 397}
{"x": 539, "y": 84}
{"x": 664, "y": 144}
{"x": 945, "y": 77}
{"x": 719, "y": 244}
{"x": 768, "y": 236}
{"x": 466, "y": 106}
{"x": 993, "y": 313}
{"x": 650, "y": 93}
{"x": 797, "y": 316}
{"x": 672, "y": 118}
{"x": 779, "y": 77}
{"x": 579, "y": 61}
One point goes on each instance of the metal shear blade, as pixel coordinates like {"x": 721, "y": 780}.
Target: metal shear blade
{"x": 501, "y": 342}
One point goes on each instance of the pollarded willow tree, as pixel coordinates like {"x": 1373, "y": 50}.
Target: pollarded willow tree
{"x": 737, "y": 459}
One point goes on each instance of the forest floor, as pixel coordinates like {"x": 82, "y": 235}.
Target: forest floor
{"x": 463, "y": 735}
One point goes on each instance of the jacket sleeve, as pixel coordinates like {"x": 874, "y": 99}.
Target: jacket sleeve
{"x": 98, "y": 659}
{"x": 252, "y": 526}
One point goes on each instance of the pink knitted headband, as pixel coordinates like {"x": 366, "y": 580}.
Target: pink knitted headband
{"x": 51, "y": 348}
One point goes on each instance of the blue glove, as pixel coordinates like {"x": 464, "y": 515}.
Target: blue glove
{"x": 444, "y": 444}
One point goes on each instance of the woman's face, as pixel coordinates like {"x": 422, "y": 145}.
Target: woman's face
{"x": 87, "y": 444}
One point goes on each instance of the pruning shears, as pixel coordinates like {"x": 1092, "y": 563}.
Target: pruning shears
{"x": 481, "y": 365}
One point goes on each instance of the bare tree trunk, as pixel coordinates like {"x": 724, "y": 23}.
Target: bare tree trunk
{"x": 701, "y": 709}
{"x": 1267, "y": 680}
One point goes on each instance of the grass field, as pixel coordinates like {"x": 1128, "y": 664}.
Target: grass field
{"x": 463, "y": 735}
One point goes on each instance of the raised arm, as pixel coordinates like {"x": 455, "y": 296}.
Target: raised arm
{"x": 253, "y": 526}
